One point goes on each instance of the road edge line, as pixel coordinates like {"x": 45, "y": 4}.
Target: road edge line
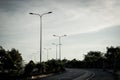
{"x": 91, "y": 76}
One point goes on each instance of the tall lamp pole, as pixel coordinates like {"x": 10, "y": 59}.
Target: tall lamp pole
{"x": 56, "y": 49}
{"x": 47, "y": 49}
{"x": 59, "y": 37}
{"x": 40, "y": 16}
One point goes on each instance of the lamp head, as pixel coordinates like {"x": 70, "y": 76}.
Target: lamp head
{"x": 49, "y": 12}
{"x": 65, "y": 35}
{"x": 31, "y": 13}
{"x": 54, "y": 35}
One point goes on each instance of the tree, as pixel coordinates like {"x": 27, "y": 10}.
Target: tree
{"x": 94, "y": 59}
{"x": 10, "y": 60}
{"x": 42, "y": 67}
{"x": 93, "y": 56}
{"x": 16, "y": 58}
{"x": 29, "y": 68}
{"x": 113, "y": 57}
{"x": 51, "y": 66}
{"x": 3, "y": 58}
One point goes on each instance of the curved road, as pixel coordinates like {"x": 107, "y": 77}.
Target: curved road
{"x": 70, "y": 74}
{"x": 82, "y": 74}
{"x": 103, "y": 75}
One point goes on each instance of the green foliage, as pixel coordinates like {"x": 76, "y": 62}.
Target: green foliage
{"x": 51, "y": 66}
{"x": 93, "y": 56}
{"x": 113, "y": 57}
{"x": 55, "y": 65}
{"x": 16, "y": 58}
{"x": 96, "y": 59}
{"x": 10, "y": 63}
{"x": 29, "y": 68}
{"x": 10, "y": 60}
{"x": 42, "y": 67}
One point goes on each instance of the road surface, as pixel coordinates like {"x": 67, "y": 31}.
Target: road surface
{"x": 70, "y": 74}
{"x": 102, "y": 75}
{"x": 82, "y": 74}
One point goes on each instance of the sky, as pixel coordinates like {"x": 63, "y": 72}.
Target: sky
{"x": 90, "y": 25}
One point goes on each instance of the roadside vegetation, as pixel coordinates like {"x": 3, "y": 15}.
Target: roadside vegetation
{"x": 97, "y": 59}
{"x": 11, "y": 63}
{"x": 50, "y": 66}
{"x": 11, "y": 66}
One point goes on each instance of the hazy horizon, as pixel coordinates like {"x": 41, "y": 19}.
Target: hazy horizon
{"x": 90, "y": 25}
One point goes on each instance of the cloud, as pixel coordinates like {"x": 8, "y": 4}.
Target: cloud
{"x": 97, "y": 41}
{"x": 10, "y": 5}
{"x": 80, "y": 19}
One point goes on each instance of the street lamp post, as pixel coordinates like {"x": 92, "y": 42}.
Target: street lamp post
{"x": 47, "y": 49}
{"x": 56, "y": 49}
{"x": 40, "y": 16}
{"x": 59, "y": 37}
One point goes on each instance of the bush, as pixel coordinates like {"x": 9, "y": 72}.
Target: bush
{"x": 29, "y": 68}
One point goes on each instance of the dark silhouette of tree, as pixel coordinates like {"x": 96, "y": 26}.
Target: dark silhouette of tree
{"x": 94, "y": 59}
{"x": 16, "y": 58}
{"x": 51, "y": 66}
{"x": 29, "y": 68}
{"x": 54, "y": 65}
{"x": 74, "y": 64}
{"x": 93, "y": 56}
{"x": 10, "y": 63}
{"x": 113, "y": 57}
{"x": 3, "y": 58}
{"x": 6, "y": 60}
{"x": 41, "y": 67}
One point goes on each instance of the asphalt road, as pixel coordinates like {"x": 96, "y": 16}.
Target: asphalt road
{"x": 70, "y": 74}
{"x": 82, "y": 74}
{"x": 102, "y": 75}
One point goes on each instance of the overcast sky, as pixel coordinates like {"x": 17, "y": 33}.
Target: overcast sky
{"x": 88, "y": 24}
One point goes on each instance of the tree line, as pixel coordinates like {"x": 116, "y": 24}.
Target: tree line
{"x": 11, "y": 66}
{"x": 50, "y": 66}
{"x": 11, "y": 63}
{"x": 96, "y": 59}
